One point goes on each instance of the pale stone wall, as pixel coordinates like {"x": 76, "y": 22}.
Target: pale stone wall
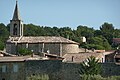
{"x": 23, "y": 45}
{"x": 10, "y": 74}
{"x": 11, "y": 48}
{"x": 55, "y": 69}
{"x": 70, "y": 48}
{"x": 34, "y": 47}
{"x": 41, "y": 67}
{"x": 54, "y": 48}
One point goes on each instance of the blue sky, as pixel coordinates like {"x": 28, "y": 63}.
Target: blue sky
{"x": 63, "y": 13}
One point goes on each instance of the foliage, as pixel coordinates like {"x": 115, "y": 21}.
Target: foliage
{"x": 1, "y": 45}
{"x": 99, "y": 43}
{"x": 90, "y": 67}
{"x": 24, "y": 51}
{"x": 97, "y": 39}
{"x": 98, "y": 77}
{"x": 107, "y": 31}
{"x": 3, "y": 35}
{"x": 38, "y": 77}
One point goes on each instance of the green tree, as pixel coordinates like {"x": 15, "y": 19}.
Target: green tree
{"x": 116, "y": 33}
{"x": 90, "y": 67}
{"x": 66, "y": 32}
{"x": 99, "y": 43}
{"x": 107, "y": 31}
{"x": 1, "y": 45}
{"x": 85, "y": 31}
{"x": 3, "y": 35}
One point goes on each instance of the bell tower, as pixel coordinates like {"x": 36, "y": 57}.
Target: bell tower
{"x": 16, "y": 24}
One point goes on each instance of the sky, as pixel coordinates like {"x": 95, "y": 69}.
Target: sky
{"x": 63, "y": 13}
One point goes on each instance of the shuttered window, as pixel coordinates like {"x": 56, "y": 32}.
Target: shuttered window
{"x": 15, "y": 68}
{"x": 4, "y": 68}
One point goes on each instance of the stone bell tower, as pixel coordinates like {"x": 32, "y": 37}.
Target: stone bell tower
{"x": 16, "y": 24}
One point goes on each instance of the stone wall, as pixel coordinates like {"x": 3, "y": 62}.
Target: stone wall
{"x": 70, "y": 48}
{"x": 11, "y": 48}
{"x": 54, "y": 48}
{"x": 110, "y": 69}
{"x": 57, "y": 70}
{"x": 9, "y": 73}
{"x": 48, "y": 67}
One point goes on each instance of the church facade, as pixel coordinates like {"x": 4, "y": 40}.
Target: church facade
{"x": 37, "y": 44}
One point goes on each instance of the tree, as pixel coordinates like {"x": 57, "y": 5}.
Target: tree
{"x": 99, "y": 43}
{"x": 91, "y": 66}
{"x": 3, "y": 35}
{"x": 84, "y": 31}
{"x": 1, "y": 45}
{"x": 107, "y": 31}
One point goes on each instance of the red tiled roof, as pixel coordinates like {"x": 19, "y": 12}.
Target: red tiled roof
{"x": 116, "y": 40}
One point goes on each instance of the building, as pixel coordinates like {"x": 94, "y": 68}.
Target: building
{"x": 113, "y": 57}
{"x": 80, "y": 57}
{"x": 116, "y": 41}
{"x": 21, "y": 67}
{"x": 38, "y": 44}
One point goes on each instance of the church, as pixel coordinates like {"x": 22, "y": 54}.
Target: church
{"x": 37, "y": 44}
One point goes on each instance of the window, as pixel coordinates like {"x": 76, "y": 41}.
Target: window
{"x": 4, "y": 68}
{"x": 15, "y": 29}
{"x": 15, "y": 68}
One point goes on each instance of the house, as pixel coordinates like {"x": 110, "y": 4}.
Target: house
{"x": 116, "y": 41}
{"x": 80, "y": 57}
{"x": 113, "y": 57}
{"x": 37, "y": 44}
{"x": 21, "y": 67}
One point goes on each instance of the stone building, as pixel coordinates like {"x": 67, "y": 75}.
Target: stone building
{"x": 21, "y": 67}
{"x": 116, "y": 41}
{"x": 113, "y": 57}
{"x": 80, "y": 57}
{"x": 38, "y": 44}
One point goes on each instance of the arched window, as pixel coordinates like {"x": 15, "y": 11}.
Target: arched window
{"x": 15, "y": 29}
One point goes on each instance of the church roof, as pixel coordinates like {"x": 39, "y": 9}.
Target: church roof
{"x": 40, "y": 39}
{"x": 16, "y": 15}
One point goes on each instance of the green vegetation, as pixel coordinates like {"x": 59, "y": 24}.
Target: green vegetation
{"x": 90, "y": 67}
{"x": 98, "y": 77}
{"x": 91, "y": 70}
{"x": 38, "y": 77}
{"x": 24, "y": 51}
{"x": 96, "y": 39}
{"x": 3, "y": 35}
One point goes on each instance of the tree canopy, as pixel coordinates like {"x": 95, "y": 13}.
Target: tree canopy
{"x": 97, "y": 39}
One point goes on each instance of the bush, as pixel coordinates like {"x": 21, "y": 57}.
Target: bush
{"x": 24, "y": 51}
{"x": 90, "y": 67}
{"x": 98, "y": 77}
{"x": 38, "y": 77}
{"x": 92, "y": 77}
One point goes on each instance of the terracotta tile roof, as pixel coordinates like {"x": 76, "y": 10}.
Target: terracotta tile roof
{"x": 117, "y": 56}
{"x": 116, "y": 40}
{"x": 40, "y": 39}
{"x": 80, "y": 57}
